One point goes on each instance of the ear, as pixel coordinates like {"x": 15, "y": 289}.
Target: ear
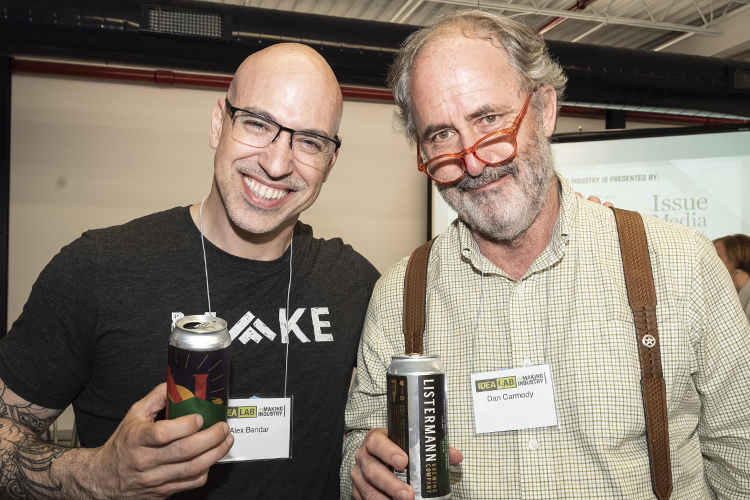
{"x": 217, "y": 120}
{"x": 333, "y": 160}
{"x": 549, "y": 108}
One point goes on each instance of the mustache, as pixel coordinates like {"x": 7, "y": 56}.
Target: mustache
{"x": 247, "y": 168}
{"x": 490, "y": 174}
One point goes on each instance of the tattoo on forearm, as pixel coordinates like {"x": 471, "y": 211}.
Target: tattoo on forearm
{"x": 25, "y": 455}
{"x": 34, "y": 417}
{"x": 26, "y": 460}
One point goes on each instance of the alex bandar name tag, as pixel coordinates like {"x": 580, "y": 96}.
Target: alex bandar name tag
{"x": 262, "y": 429}
{"x": 513, "y": 399}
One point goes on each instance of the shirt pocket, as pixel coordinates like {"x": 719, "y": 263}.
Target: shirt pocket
{"x": 608, "y": 388}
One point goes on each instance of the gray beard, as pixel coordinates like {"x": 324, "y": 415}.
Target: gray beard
{"x": 503, "y": 214}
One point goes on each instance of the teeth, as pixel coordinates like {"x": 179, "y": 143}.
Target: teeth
{"x": 264, "y": 192}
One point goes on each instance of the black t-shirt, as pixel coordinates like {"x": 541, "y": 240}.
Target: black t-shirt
{"x": 94, "y": 332}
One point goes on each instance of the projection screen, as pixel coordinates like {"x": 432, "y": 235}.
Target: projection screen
{"x": 696, "y": 176}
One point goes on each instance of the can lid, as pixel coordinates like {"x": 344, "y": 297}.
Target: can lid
{"x": 200, "y": 333}
{"x": 415, "y": 355}
{"x": 415, "y": 364}
{"x": 198, "y": 324}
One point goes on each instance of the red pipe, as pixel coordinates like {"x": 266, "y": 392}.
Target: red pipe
{"x": 158, "y": 77}
{"x": 165, "y": 77}
{"x": 161, "y": 77}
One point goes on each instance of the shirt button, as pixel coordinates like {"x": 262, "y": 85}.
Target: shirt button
{"x": 520, "y": 289}
{"x": 533, "y": 444}
{"x": 527, "y": 362}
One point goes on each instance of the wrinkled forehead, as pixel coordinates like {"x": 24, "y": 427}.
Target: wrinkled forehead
{"x": 463, "y": 74}
{"x": 451, "y": 51}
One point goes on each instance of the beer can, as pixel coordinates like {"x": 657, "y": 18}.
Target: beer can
{"x": 198, "y": 369}
{"x": 418, "y": 422}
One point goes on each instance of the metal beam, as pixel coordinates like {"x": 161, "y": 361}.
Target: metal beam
{"x": 624, "y": 21}
{"x": 578, "y": 6}
{"x": 406, "y": 15}
{"x": 737, "y": 31}
{"x": 592, "y": 30}
{"x": 397, "y": 16}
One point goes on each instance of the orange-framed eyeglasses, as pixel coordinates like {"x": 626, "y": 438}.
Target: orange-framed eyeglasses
{"x": 497, "y": 147}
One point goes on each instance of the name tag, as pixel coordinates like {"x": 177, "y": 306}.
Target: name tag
{"x": 262, "y": 429}
{"x": 518, "y": 398}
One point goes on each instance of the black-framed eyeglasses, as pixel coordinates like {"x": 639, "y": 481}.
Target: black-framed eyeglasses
{"x": 253, "y": 130}
{"x": 497, "y": 147}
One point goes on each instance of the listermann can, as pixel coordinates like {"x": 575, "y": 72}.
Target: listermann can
{"x": 418, "y": 422}
{"x": 198, "y": 369}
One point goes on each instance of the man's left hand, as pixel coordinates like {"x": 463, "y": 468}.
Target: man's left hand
{"x": 596, "y": 200}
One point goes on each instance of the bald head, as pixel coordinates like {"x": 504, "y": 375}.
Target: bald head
{"x": 299, "y": 73}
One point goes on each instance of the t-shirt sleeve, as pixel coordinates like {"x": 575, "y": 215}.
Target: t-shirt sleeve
{"x": 46, "y": 356}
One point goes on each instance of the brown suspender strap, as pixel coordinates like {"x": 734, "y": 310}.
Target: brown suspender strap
{"x": 415, "y": 290}
{"x": 639, "y": 281}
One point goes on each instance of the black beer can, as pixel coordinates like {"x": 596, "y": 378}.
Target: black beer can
{"x": 198, "y": 369}
{"x": 418, "y": 422}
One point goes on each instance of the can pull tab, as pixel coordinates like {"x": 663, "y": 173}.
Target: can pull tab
{"x": 195, "y": 325}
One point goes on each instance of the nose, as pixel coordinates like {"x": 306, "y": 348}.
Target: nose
{"x": 278, "y": 160}
{"x": 474, "y": 166}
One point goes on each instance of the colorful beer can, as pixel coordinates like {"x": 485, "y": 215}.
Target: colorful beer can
{"x": 418, "y": 422}
{"x": 198, "y": 369}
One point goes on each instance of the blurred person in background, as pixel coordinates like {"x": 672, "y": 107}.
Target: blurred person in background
{"x": 734, "y": 252}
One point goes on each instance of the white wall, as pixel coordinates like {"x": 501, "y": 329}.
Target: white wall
{"x": 88, "y": 154}
{"x": 375, "y": 198}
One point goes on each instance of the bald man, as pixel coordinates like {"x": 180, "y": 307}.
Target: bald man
{"x": 94, "y": 332}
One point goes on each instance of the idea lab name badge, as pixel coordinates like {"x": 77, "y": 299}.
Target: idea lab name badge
{"x": 262, "y": 429}
{"x": 519, "y": 398}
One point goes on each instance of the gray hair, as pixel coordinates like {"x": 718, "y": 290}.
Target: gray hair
{"x": 527, "y": 51}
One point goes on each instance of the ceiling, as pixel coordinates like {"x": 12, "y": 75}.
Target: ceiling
{"x": 717, "y": 28}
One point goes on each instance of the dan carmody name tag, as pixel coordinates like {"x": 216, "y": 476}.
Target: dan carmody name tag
{"x": 513, "y": 399}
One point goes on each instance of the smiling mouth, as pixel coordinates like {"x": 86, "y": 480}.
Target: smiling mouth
{"x": 264, "y": 192}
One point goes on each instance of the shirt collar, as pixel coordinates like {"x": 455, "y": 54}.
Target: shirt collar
{"x": 565, "y": 223}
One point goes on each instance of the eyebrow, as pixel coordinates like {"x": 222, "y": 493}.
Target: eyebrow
{"x": 482, "y": 111}
{"x": 268, "y": 116}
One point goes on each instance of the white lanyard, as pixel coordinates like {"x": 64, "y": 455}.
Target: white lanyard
{"x": 261, "y": 427}
{"x": 288, "y": 290}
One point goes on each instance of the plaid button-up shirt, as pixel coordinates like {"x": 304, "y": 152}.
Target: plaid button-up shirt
{"x": 599, "y": 449}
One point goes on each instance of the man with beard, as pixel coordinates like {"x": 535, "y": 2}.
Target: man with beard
{"x": 95, "y": 330}
{"x": 527, "y": 286}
